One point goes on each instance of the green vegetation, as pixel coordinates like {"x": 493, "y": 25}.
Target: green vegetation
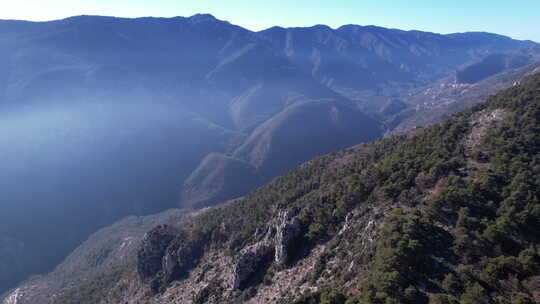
{"x": 327, "y": 296}
{"x": 468, "y": 226}
{"x": 490, "y": 213}
{"x": 111, "y": 285}
{"x": 459, "y": 218}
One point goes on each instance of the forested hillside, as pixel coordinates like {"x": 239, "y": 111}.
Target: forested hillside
{"x": 109, "y": 117}
{"x": 443, "y": 214}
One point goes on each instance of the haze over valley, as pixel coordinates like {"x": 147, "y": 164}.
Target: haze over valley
{"x": 112, "y": 126}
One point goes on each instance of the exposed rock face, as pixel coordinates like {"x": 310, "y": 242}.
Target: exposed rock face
{"x": 276, "y": 242}
{"x": 288, "y": 228}
{"x": 170, "y": 264}
{"x": 152, "y": 251}
{"x": 480, "y": 126}
{"x": 167, "y": 255}
{"x": 180, "y": 258}
{"x": 13, "y": 297}
{"x": 249, "y": 261}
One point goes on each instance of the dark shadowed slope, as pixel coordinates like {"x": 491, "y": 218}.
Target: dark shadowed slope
{"x": 273, "y": 145}
{"x": 491, "y": 65}
{"x": 219, "y": 178}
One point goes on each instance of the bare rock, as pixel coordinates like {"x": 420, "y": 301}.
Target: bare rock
{"x": 181, "y": 257}
{"x": 288, "y": 227}
{"x": 249, "y": 261}
{"x": 152, "y": 251}
{"x": 273, "y": 248}
{"x": 481, "y": 124}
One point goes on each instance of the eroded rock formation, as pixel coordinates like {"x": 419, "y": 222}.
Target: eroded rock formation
{"x": 152, "y": 251}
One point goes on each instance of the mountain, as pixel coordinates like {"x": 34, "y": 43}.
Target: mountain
{"x": 108, "y": 117}
{"x": 100, "y": 253}
{"x": 444, "y": 214}
{"x": 361, "y": 62}
{"x": 105, "y": 117}
{"x": 491, "y": 65}
{"x": 218, "y": 178}
{"x": 430, "y": 104}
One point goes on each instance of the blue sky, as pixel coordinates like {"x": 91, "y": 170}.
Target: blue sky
{"x": 518, "y": 19}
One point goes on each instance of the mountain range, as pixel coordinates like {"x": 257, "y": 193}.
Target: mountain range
{"x": 107, "y": 117}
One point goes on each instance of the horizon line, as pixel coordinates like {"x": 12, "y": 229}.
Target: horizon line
{"x": 255, "y": 31}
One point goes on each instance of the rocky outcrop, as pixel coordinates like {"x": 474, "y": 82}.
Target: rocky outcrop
{"x": 180, "y": 257}
{"x": 168, "y": 255}
{"x": 274, "y": 248}
{"x": 249, "y": 261}
{"x": 153, "y": 249}
{"x": 480, "y": 125}
{"x": 170, "y": 264}
{"x": 288, "y": 227}
{"x": 13, "y": 297}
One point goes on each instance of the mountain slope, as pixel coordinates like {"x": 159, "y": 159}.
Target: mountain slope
{"x": 272, "y": 145}
{"x": 106, "y": 250}
{"x": 105, "y": 117}
{"x": 431, "y": 104}
{"x": 444, "y": 215}
{"x": 490, "y": 66}
{"x": 218, "y": 178}
{"x": 108, "y": 117}
{"x": 365, "y": 61}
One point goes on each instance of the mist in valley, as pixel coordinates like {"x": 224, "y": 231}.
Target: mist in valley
{"x": 69, "y": 168}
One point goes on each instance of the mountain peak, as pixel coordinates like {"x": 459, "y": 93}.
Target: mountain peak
{"x": 199, "y": 18}
{"x": 371, "y": 28}
{"x": 321, "y": 27}
{"x": 90, "y": 17}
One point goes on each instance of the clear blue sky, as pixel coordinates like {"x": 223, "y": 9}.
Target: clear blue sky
{"x": 519, "y": 19}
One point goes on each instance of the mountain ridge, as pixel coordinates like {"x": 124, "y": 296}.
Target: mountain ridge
{"x": 109, "y": 93}
{"x": 210, "y": 17}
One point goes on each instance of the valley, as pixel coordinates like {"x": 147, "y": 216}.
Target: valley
{"x": 112, "y": 121}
